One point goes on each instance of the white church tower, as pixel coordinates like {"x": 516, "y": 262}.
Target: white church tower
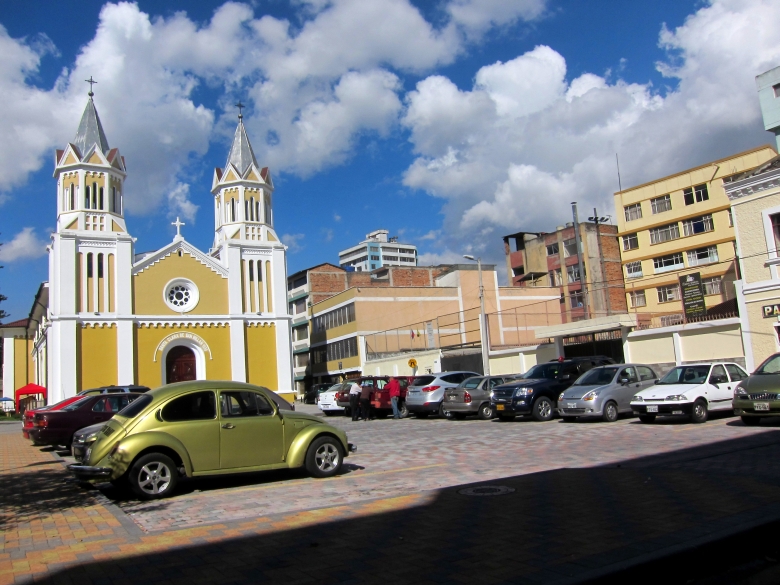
{"x": 91, "y": 255}
{"x": 246, "y": 243}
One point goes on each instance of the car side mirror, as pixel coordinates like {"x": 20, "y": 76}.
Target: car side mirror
{"x": 624, "y": 381}
{"x": 657, "y": 381}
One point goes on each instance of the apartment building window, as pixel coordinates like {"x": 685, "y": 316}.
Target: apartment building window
{"x": 696, "y": 194}
{"x": 298, "y": 306}
{"x": 407, "y": 259}
{"x": 373, "y": 257}
{"x": 697, "y": 225}
{"x": 339, "y": 350}
{"x": 665, "y": 233}
{"x": 555, "y": 277}
{"x": 552, "y": 249}
{"x": 298, "y": 282}
{"x": 668, "y": 262}
{"x": 576, "y": 299}
{"x": 776, "y": 229}
{"x": 667, "y": 294}
{"x": 390, "y": 258}
{"x": 334, "y": 318}
{"x": 731, "y": 219}
{"x": 711, "y": 285}
{"x": 637, "y": 298}
{"x": 301, "y": 360}
{"x": 569, "y": 248}
{"x": 630, "y": 242}
{"x": 319, "y": 355}
{"x": 300, "y": 333}
{"x": 633, "y": 211}
{"x": 572, "y": 274}
{"x": 661, "y": 204}
{"x": 776, "y": 89}
{"x": 634, "y": 270}
{"x": 701, "y": 256}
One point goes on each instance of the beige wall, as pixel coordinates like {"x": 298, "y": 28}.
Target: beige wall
{"x": 521, "y": 361}
{"x": 427, "y": 361}
{"x": 752, "y": 234}
{"x": 261, "y": 356}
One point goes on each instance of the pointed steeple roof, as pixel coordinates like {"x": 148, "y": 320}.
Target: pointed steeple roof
{"x": 90, "y": 130}
{"x": 241, "y": 154}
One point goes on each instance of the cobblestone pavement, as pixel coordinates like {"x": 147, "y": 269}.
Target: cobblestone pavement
{"x": 582, "y": 499}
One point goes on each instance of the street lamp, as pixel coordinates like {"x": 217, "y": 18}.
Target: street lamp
{"x": 483, "y": 338}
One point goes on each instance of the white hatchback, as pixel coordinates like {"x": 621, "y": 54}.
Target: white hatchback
{"x": 691, "y": 390}
{"x": 327, "y": 401}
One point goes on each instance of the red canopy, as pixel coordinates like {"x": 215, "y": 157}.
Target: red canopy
{"x": 27, "y": 390}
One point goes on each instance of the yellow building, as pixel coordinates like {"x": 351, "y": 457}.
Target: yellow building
{"x": 755, "y": 200}
{"x": 367, "y": 323}
{"x": 116, "y": 317}
{"x": 678, "y": 225}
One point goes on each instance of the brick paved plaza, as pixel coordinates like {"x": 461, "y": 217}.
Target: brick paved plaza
{"x": 588, "y": 499}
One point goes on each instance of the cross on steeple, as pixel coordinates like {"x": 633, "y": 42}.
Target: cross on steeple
{"x": 91, "y": 83}
{"x": 240, "y": 107}
{"x": 178, "y": 225}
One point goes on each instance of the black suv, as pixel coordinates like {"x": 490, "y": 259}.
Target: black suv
{"x": 536, "y": 393}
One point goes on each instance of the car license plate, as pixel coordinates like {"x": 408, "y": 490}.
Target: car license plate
{"x": 453, "y": 398}
{"x": 677, "y": 412}
{"x": 652, "y": 409}
{"x": 571, "y": 405}
{"x": 760, "y": 406}
{"x": 499, "y": 407}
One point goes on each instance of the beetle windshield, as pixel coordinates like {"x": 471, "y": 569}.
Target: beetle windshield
{"x": 686, "y": 375}
{"x": 596, "y": 377}
{"x": 549, "y": 371}
{"x": 770, "y": 366}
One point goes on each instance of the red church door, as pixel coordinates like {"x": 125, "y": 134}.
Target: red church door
{"x": 180, "y": 365}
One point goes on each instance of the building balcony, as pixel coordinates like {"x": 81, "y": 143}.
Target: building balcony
{"x": 300, "y": 318}
{"x": 299, "y": 345}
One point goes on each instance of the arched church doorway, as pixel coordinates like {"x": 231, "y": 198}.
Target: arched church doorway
{"x": 180, "y": 365}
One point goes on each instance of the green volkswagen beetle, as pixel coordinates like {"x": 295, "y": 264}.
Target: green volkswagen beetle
{"x": 203, "y": 428}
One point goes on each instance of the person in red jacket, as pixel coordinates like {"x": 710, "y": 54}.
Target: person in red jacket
{"x": 394, "y": 389}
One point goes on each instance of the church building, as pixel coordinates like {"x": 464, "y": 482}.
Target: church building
{"x": 109, "y": 315}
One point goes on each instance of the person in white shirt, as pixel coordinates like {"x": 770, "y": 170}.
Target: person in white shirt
{"x": 354, "y": 400}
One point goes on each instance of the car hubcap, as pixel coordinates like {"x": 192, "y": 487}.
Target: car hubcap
{"x": 486, "y": 411}
{"x": 611, "y": 411}
{"x": 154, "y": 478}
{"x": 327, "y": 457}
{"x": 544, "y": 408}
{"x": 698, "y": 410}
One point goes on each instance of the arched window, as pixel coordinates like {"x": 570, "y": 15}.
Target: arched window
{"x": 257, "y": 211}
{"x": 232, "y": 210}
{"x": 246, "y": 211}
{"x": 94, "y": 196}
{"x": 100, "y": 206}
{"x": 86, "y": 197}
{"x": 72, "y": 197}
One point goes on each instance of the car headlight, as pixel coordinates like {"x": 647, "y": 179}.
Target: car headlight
{"x": 740, "y": 392}
{"x": 637, "y": 398}
{"x": 677, "y": 398}
{"x": 524, "y": 391}
{"x": 591, "y": 395}
{"x": 561, "y": 396}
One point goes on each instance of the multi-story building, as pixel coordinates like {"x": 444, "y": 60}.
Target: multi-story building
{"x": 313, "y": 285}
{"x": 552, "y": 260}
{"x": 402, "y": 315}
{"x": 768, "y": 84}
{"x": 376, "y": 251}
{"x": 677, "y": 225}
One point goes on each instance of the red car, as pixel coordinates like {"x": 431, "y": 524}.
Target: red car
{"x": 29, "y": 415}
{"x": 380, "y": 396}
{"x": 57, "y": 427}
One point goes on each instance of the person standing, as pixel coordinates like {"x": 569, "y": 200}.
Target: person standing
{"x": 365, "y": 402}
{"x": 354, "y": 400}
{"x": 394, "y": 388}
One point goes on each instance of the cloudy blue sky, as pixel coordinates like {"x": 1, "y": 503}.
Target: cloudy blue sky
{"x": 448, "y": 122}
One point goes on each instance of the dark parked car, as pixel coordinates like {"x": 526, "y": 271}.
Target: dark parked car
{"x": 114, "y": 389}
{"x": 537, "y": 392}
{"x": 57, "y": 427}
{"x": 313, "y": 393}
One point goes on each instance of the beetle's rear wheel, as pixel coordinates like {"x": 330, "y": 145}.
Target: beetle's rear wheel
{"x": 153, "y": 476}
{"x": 324, "y": 457}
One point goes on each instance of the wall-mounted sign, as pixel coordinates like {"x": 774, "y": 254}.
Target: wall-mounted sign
{"x": 692, "y": 296}
{"x": 412, "y": 363}
{"x": 770, "y": 311}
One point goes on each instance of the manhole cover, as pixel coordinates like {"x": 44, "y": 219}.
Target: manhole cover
{"x": 487, "y": 490}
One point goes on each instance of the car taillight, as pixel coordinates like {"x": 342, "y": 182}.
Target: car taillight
{"x": 430, "y": 388}
{"x": 466, "y": 397}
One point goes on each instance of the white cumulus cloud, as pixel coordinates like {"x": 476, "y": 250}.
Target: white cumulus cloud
{"x": 24, "y": 246}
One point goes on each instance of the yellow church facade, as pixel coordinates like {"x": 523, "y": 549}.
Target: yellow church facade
{"x": 110, "y": 316}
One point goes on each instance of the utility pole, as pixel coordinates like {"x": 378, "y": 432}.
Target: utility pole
{"x": 578, "y": 242}
{"x": 483, "y": 337}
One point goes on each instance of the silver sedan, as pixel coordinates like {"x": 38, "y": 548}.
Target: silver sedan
{"x": 605, "y": 391}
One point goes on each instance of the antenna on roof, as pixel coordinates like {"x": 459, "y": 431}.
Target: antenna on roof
{"x": 620, "y": 187}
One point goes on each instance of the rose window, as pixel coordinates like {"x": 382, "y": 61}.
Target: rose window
{"x": 181, "y": 295}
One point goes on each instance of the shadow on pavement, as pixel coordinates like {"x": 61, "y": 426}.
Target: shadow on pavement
{"x": 562, "y": 526}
